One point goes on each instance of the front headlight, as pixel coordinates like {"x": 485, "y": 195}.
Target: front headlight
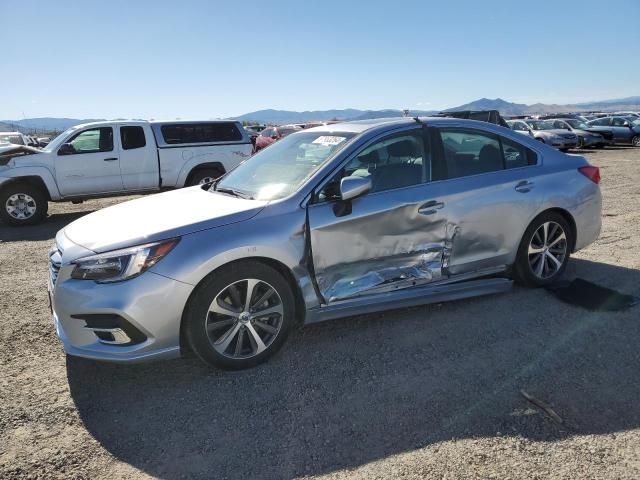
{"x": 121, "y": 264}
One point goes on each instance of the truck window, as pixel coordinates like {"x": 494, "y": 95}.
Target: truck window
{"x": 200, "y": 133}
{"x": 132, "y": 137}
{"x": 94, "y": 140}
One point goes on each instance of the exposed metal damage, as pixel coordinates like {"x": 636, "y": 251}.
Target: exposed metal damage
{"x": 10, "y": 151}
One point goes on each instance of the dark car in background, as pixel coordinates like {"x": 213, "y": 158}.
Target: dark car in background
{"x": 272, "y": 134}
{"x": 626, "y": 130}
{"x": 586, "y": 137}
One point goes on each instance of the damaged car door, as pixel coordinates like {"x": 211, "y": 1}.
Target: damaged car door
{"x": 389, "y": 238}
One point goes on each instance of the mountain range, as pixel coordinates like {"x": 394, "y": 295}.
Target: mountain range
{"x": 286, "y": 116}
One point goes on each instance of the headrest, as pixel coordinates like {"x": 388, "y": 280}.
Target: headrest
{"x": 404, "y": 148}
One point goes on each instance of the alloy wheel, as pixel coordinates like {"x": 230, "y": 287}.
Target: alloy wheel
{"x": 547, "y": 250}
{"x": 244, "y": 318}
{"x": 20, "y": 206}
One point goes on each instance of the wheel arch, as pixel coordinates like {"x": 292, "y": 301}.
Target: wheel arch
{"x": 566, "y": 215}
{"x": 214, "y": 165}
{"x": 33, "y": 180}
{"x": 273, "y": 263}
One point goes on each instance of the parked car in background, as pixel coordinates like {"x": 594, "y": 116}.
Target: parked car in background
{"x": 15, "y": 138}
{"x": 328, "y": 222}
{"x": 545, "y": 132}
{"x": 627, "y": 114}
{"x": 43, "y": 141}
{"x": 586, "y": 138}
{"x": 626, "y": 130}
{"x": 576, "y": 116}
{"x": 113, "y": 158}
{"x": 272, "y": 134}
{"x": 520, "y": 126}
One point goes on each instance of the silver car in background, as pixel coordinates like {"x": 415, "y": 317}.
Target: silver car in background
{"x": 545, "y": 132}
{"x": 332, "y": 221}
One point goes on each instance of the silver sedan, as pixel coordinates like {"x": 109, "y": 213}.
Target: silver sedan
{"x": 333, "y": 221}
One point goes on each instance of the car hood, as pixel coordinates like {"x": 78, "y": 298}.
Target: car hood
{"x": 160, "y": 216}
{"x": 585, "y": 132}
{"x": 11, "y": 150}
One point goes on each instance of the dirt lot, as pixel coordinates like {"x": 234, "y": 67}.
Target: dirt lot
{"x": 429, "y": 392}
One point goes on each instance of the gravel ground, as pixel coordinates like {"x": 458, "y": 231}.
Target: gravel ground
{"x": 429, "y": 392}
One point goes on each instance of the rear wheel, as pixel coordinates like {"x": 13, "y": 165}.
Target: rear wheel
{"x": 22, "y": 204}
{"x": 204, "y": 175}
{"x": 544, "y": 251}
{"x": 240, "y": 316}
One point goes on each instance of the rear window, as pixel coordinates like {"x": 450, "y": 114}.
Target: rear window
{"x": 132, "y": 137}
{"x": 201, "y": 133}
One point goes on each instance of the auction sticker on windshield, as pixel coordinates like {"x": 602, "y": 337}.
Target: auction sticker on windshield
{"x": 329, "y": 140}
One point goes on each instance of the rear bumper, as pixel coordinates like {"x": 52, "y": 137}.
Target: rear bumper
{"x": 588, "y": 219}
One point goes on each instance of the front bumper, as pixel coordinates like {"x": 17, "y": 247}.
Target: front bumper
{"x": 150, "y": 305}
{"x": 565, "y": 143}
{"x": 591, "y": 141}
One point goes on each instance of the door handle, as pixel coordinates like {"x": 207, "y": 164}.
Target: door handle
{"x": 111, "y": 159}
{"x": 524, "y": 186}
{"x": 430, "y": 208}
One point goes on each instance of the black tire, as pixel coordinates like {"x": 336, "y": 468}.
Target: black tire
{"x": 202, "y": 174}
{"x": 198, "y": 316}
{"x": 36, "y": 198}
{"x": 635, "y": 141}
{"x": 522, "y": 270}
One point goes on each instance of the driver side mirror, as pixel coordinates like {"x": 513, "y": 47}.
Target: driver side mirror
{"x": 354, "y": 187}
{"x": 66, "y": 149}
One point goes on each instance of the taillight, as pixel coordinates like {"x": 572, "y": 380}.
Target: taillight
{"x": 592, "y": 173}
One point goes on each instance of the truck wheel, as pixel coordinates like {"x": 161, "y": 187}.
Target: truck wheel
{"x": 22, "y": 204}
{"x": 204, "y": 175}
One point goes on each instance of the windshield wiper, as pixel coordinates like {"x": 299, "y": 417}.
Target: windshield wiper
{"x": 235, "y": 193}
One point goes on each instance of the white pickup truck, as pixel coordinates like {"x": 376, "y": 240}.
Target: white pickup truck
{"x": 103, "y": 159}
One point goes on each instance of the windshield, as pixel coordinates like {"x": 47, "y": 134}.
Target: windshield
{"x": 577, "y": 124}
{"x": 15, "y": 139}
{"x": 541, "y": 124}
{"x": 56, "y": 142}
{"x": 281, "y": 169}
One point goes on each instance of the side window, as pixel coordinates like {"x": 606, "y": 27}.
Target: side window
{"x": 601, "y": 122}
{"x": 517, "y": 155}
{"x": 394, "y": 162}
{"x": 200, "y": 133}
{"x": 618, "y": 122}
{"x": 468, "y": 152}
{"x": 132, "y": 137}
{"x": 92, "y": 141}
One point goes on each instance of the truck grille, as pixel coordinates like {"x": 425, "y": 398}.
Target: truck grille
{"x": 55, "y": 261}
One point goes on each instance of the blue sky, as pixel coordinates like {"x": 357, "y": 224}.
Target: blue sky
{"x": 206, "y": 59}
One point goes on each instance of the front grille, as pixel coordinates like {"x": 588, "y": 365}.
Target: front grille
{"x": 55, "y": 261}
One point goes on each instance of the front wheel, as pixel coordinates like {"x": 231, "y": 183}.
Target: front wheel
{"x": 544, "y": 251}
{"x": 635, "y": 141}
{"x": 240, "y": 316}
{"x": 22, "y": 204}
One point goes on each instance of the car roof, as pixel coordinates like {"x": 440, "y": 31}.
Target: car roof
{"x": 383, "y": 124}
{"x": 10, "y": 133}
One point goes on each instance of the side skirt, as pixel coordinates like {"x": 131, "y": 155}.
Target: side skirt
{"x": 409, "y": 297}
